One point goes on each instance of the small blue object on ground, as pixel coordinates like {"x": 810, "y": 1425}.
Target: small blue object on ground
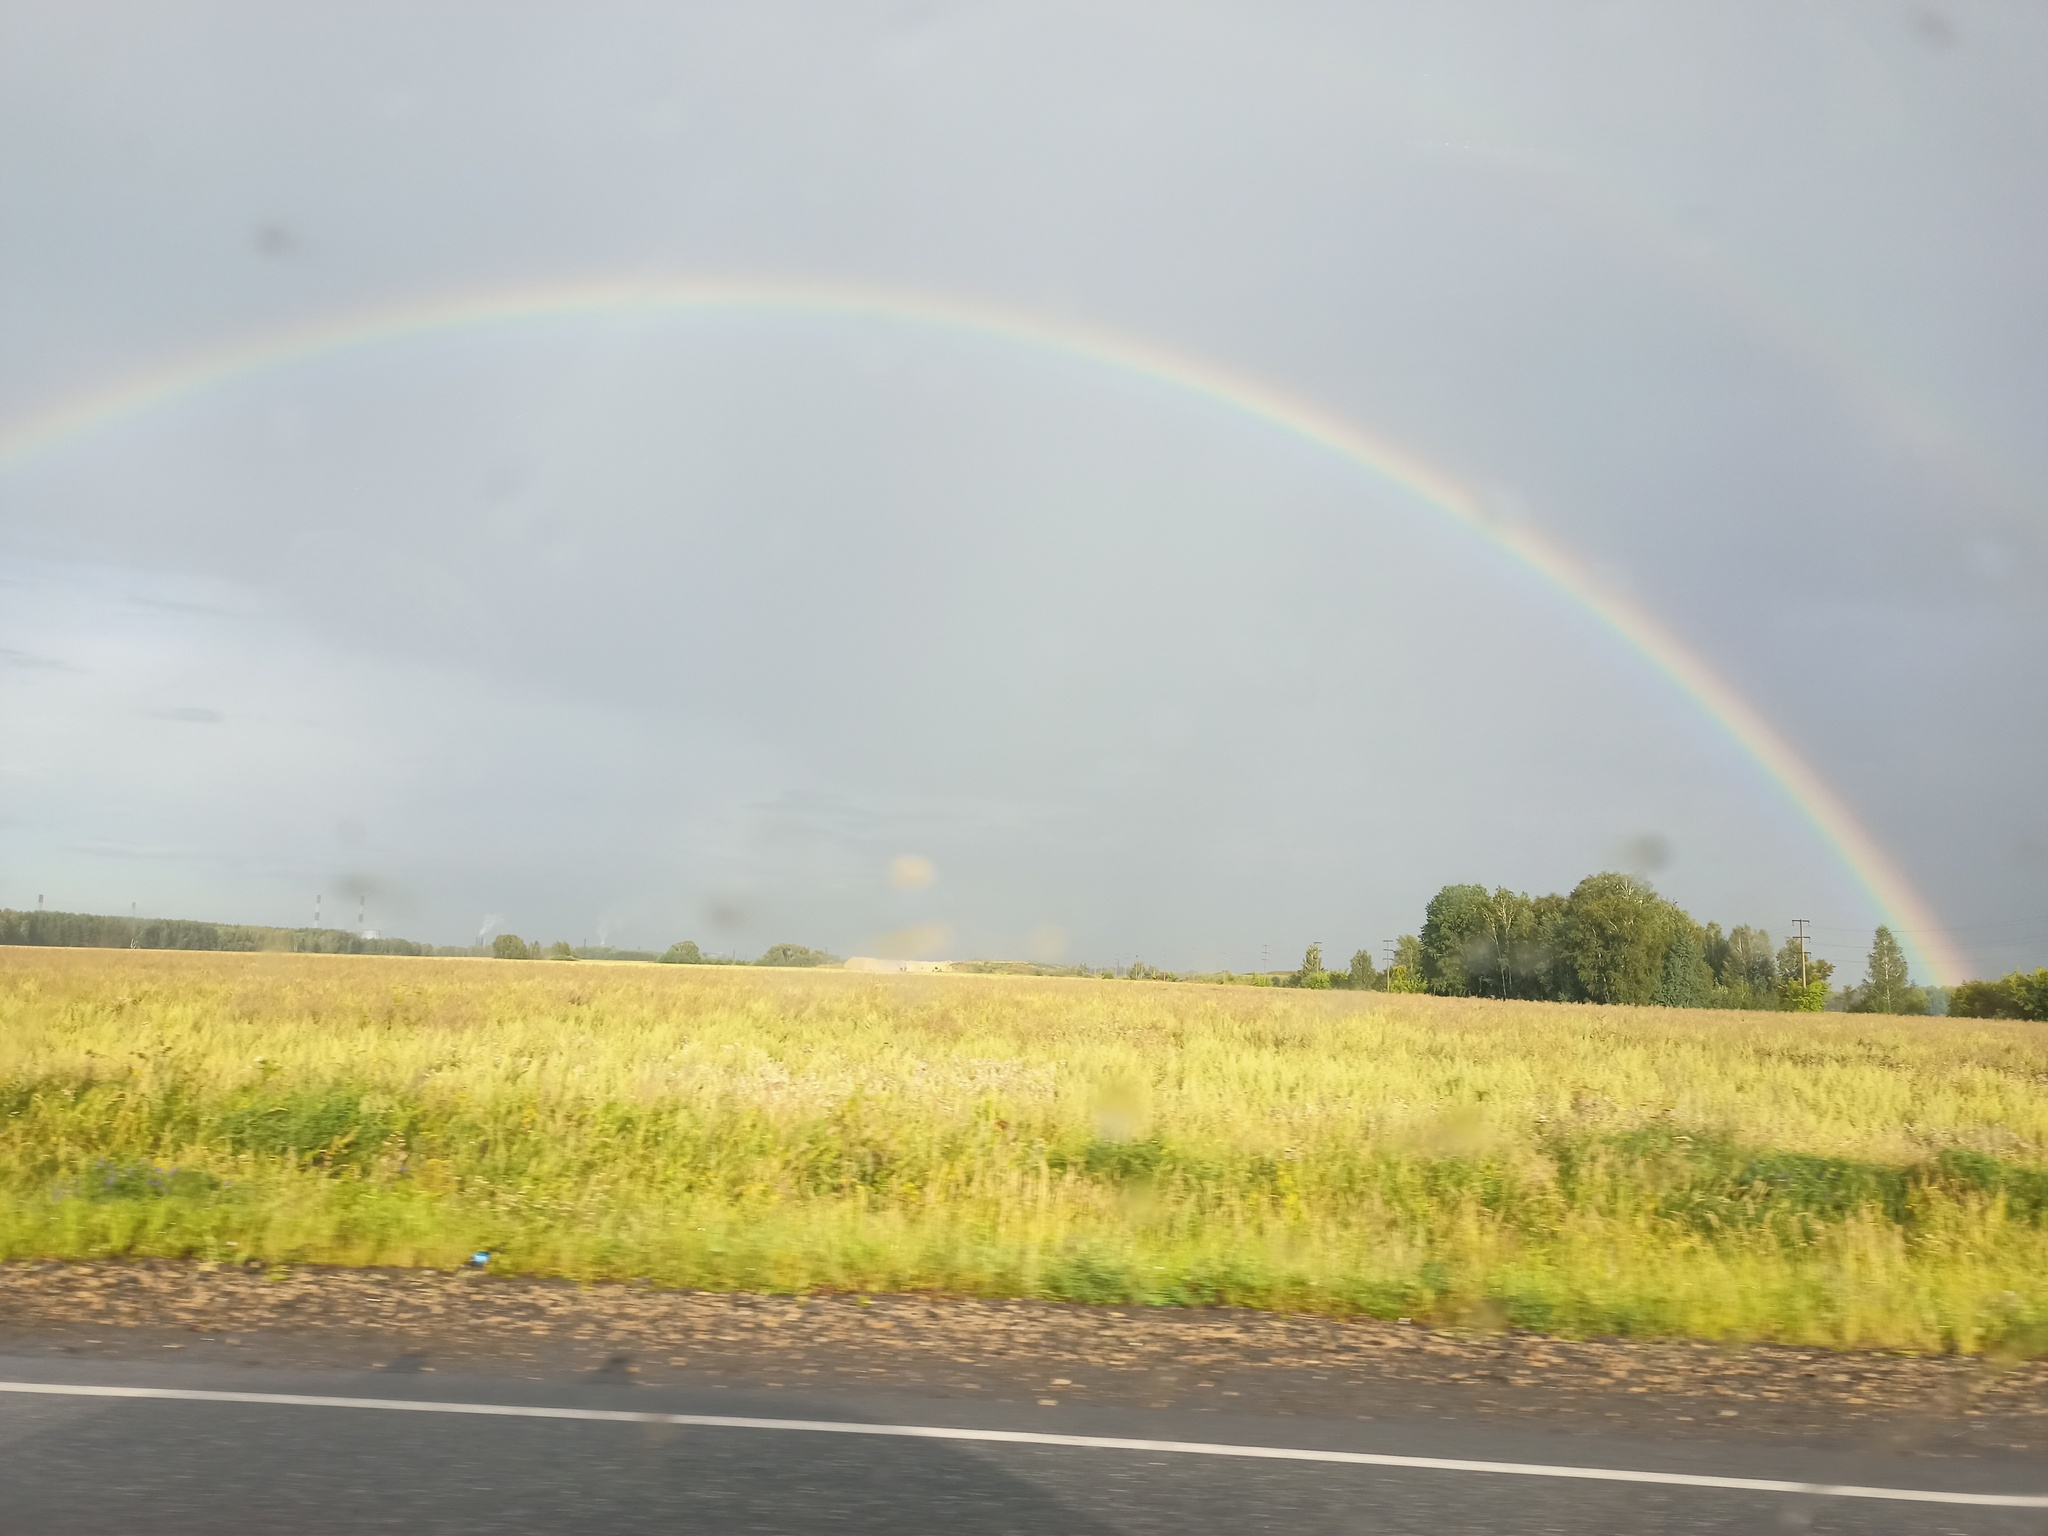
{"x": 480, "y": 1258}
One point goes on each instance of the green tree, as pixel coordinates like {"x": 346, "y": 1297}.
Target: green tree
{"x": 1980, "y": 1000}
{"x": 1714, "y": 948}
{"x": 1887, "y": 984}
{"x": 2016, "y": 995}
{"x": 1454, "y": 941}
{"x": 1686, "y": 980}
{"x": 1362, "y": 975}
{"x": 1546, "y": 928}
{"x": 1743, "y": 967}
{"x": 1511, "y": 956}
{"x": 1612, "y": 937}
{"x": 1809, "y": 996}
{"x": 509, "y": 946}
{"x": 1405, "y": 974}
{"x": 1802, "y": 979}
{"x": 685, "y": 953}
{"x": 795, "y": 954}
{"x": 560, "y": 950}
{"x": 2031, "y": 992}
{"x": 1311, "y": 973}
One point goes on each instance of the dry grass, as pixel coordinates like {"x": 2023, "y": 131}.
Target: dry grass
{"x": 1812, "y": 1179}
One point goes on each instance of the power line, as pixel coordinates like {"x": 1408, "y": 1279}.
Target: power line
{"x": 2002, "y": 922}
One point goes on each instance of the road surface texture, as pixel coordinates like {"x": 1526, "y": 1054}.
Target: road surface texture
{"x": 398, "y": 1361}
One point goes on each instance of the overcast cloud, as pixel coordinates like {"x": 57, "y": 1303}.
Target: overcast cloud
{"x": 637, "y": 628}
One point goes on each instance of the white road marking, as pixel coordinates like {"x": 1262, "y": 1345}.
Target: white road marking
{"x": 1033, "y": 1437}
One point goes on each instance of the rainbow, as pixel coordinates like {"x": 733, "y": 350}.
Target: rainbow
{"x": 1872, "y": 868}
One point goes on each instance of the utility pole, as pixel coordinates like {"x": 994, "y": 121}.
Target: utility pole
{"x": 316, "y": 909}
{"x": 1800, "y": 924}
{"x": 1388, "y": 946}
{"x": 359, "y": 912}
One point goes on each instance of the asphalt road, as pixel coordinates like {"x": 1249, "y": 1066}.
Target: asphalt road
{"x": 106, "y": 1464}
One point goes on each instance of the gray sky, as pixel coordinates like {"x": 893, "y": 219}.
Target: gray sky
{"x": 643, "y": 627}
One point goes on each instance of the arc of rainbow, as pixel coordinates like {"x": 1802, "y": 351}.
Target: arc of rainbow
{"x": 1882, "y": 882}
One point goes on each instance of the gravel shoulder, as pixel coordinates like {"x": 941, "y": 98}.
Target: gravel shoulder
{"x": 1220, "y": 1359}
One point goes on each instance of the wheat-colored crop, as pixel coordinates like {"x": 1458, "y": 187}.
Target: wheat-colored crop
{"x": 1828, "y": 1179}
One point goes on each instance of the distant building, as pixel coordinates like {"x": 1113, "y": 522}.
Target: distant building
{"x": 894, "y": 967}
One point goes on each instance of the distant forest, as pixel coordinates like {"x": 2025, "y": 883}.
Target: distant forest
{"x": 89, "y": 930}
{"x": 1615, "y": 940}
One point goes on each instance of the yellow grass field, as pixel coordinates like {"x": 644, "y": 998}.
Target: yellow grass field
{"x": 1819, "y": 1179}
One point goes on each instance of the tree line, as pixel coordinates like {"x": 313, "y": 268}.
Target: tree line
{"x": 1614, "y": 939}
{"x": 687, "y": 953}
{"x": 510, "y": 947}
{"x": 92, "y": 930}
{"x": 2016, "y": 995}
